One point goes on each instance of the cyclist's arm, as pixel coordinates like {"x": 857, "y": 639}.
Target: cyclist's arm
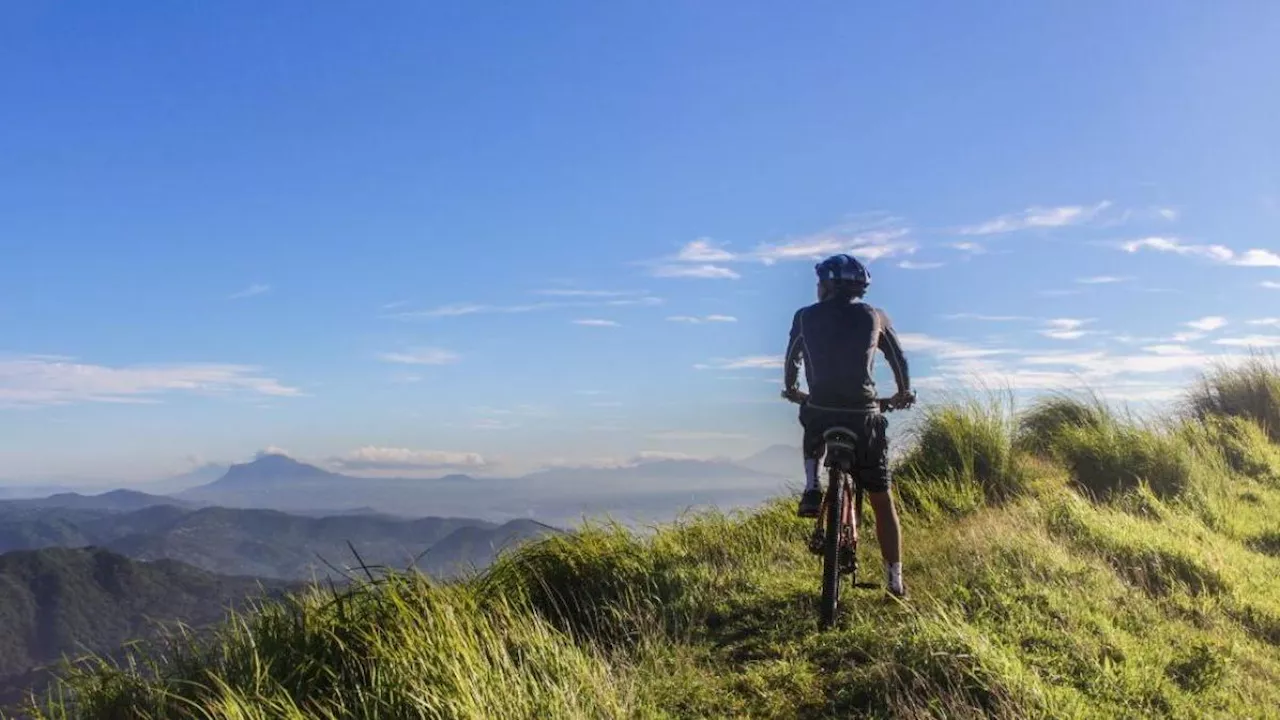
{"x": 892, "y": 350}
{"x": 795, "y": 353}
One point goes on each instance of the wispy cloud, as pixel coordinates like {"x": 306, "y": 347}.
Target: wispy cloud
{"x": 573, "y": 293}
{"x": 865, "y": 244}
{"x": 1142, "y": 376}
{"x": 705, "y": 272}
{"x": 1265, "y": 321}
{"x": 422, "y": 356}
{"x": 972, "y": 248}
{"x": 1214, "y": 252}
{"x": 1103, "y": 279}
{"x": 1270, "y": 284}
{"x": 1037, "y": 217}
{"x": 709, "y": 259}
{"x": 1066, "y": 328}
{"x": 36, "y": 380}
{"x": 704, "y": 250}
{"x": 1207, "y": 324}
{"x": 1254, "y": 341}
{"x": 252, "y": 290}
{"x": 1167, "y": 213}
{"x": 384, "y": 459}
{"x": 910, "y": 265}
{"x": 692, "y": 320}
{"x": 751, "y": 362}
{"x": 985, "y": 318}
{"x": 460, "y": 309}
{"x": 596, "y": 322}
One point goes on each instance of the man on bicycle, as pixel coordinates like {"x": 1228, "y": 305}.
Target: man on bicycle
{"x": 837, "y": 338}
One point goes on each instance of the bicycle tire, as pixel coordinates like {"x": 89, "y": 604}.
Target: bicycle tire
{"x": 831, "y": 549}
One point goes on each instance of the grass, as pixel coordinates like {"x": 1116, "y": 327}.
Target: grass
{"x": 1065, "y": 562}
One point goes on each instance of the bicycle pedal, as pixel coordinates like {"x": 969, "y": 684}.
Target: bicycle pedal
{"x": 816, "y": 544}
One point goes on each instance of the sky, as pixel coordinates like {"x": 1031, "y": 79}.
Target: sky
{"x": 429, "y": 237}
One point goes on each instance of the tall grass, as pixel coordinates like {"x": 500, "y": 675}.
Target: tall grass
{"x": 962, "y": 455}
{"x": 1248, "y": 390}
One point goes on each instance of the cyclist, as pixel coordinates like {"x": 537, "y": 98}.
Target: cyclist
{"x": 836, "y": 338}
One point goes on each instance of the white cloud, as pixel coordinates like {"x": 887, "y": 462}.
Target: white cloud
{"x": 706, "y": 272}
{"x": 1169, "y": 349}
{"x": 460, "y": 309}
{"x": 1065, "y": 328}
{"x": 1215, "y": 253}
{"x": 1257, "y": 258}
{"x": 404, "y": 459}
{"x": 751, "y": 362}
{"x": 255, "y": 289}
{"x": 692, "y": 320}
{"x": 1103, "y": 279}
{"x": 704, "y": 250}
{"x": 865, "y": 244}
{"x": 1207, "y": 324}
{"x": 1256, "y": 341}
{"x": 271, "y": 450}
{"x": 1037, "y": 217}
{"x": 36, "y": 380}
{"x": 985, "y": 318}
{"x": 1270, "y": 284}
{"x": 909, "y": 265}
{"x": 1265, "y": 321}
{"x": 969, "y": 247}
{"x": 421, "y": 356}
{"x": 569, "y": 292}
{"x": 1167, "y": 213}
{"x": 596, "y": 322}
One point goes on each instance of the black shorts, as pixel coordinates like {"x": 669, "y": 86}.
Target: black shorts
{"x": 872, "y": 458}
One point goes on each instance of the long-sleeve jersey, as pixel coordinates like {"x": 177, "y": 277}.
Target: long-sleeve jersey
{"x": 837, "y": 340}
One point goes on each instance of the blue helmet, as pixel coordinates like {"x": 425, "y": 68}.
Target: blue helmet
{"x": 843, "y": 269}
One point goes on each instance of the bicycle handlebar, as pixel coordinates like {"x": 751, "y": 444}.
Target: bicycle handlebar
{"x": 800, "y": 397}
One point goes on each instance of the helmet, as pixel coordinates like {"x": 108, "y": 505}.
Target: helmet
{"x": 843, "y": 269}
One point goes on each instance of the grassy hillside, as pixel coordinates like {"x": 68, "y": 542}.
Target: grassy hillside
{"x": 1064, "y": 561}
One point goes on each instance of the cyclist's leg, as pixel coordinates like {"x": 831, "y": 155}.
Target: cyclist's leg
{"x": 874, "y": 478}
{"x": 814, "y": 446}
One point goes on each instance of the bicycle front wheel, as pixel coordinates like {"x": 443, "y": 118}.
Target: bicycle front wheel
{"x": 831, "y": 548}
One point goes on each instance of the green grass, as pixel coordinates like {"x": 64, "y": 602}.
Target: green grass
{"x": 1064, "y": 562}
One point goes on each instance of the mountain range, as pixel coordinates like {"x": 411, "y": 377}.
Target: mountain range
{"x": 654, "y": 489}
{"x": 266, "y": 543}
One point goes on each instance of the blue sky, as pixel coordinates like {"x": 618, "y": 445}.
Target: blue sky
{"x": 457, "y": 236}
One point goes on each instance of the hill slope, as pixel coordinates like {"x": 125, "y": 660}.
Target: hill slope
{"x": 57, "y": 602}
{"x": 1064, "y": 563}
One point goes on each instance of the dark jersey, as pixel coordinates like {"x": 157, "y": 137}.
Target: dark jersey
{"x": 837, "y": 341}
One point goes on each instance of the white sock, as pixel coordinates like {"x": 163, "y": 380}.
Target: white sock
{"x": 893, "y": 573}
{"x": 810, "y": 474}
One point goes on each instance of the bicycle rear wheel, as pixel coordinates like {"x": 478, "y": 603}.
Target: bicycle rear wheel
{"x": 831, "y": 547}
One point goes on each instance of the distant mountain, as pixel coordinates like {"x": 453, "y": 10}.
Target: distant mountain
{"x": 111, "y": 501}
{"x": 202, "y": 475}
{"x": 780, "y": 460}
{"x": 263, "y": 543}
{"x": 61, "y": 601}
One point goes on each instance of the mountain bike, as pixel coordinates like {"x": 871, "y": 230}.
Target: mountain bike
{"x": 835, "y": 533}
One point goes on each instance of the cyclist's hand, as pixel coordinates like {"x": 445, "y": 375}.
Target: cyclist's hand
{"x": 793, "y": 394}
{"x": 904, "y": 399}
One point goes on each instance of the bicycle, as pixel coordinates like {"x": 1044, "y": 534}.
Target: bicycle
{"x": 835, "y": 533}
